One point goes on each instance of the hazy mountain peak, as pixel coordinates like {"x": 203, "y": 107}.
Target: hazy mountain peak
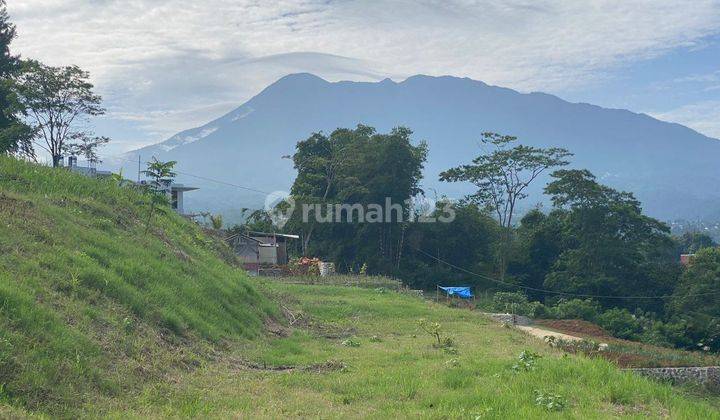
{"x": 671, "y": 168}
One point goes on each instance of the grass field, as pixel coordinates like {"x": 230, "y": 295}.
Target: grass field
{"x": 101, "y": 316}
{"x": 355, "y": 352}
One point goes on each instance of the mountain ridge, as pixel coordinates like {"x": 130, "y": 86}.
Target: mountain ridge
{"x": 631, "y": 151}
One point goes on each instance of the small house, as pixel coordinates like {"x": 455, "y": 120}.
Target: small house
{"x": 174, "y": 191}
{"x": 89, "y": 171}
{"x": 255, "y": 249}
{"x": 274, "y": 249}
{"x": 686, "y": 259}
{"x": 247, "y": 250}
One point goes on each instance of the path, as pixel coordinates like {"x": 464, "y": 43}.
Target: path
{"x": 541, "y": 333}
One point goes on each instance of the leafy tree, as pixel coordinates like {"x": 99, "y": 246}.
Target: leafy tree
{"x": 58, "y": 101}
{"x": 466, "y": 242}
{"x": 363, "y": 168}
{"x": 692, "y": 242}
{"x": 14, "y": 135}
{"x": 696, "y": 298}
{"x": 319, "y": 161}
{"x": 502, "y": 178}
{"x": 609, "y": 248}
{"x": 161, "y": 175}
{"x": 216, "y": 220}
{"x": 538, "y": 244}
{"x": 86, "y": 146}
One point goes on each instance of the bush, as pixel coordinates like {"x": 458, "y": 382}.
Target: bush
{"x": 620, "y": 323}
{"x": 668, "y": 334}
{"x": 526, "y": 361}
{"x": 577, "y": 309}
{"x": 517, "y": 303}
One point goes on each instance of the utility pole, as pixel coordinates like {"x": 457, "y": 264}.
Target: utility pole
{"x": 139, "y": 169}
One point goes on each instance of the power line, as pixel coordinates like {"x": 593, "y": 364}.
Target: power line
{"x": 204, "y": 178}
{"x": 552, "y": 291}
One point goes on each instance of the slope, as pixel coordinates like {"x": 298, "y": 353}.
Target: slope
{"x": 91, "y": 305}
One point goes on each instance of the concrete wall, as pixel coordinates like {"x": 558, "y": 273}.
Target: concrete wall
{"x": 704, "y": 375}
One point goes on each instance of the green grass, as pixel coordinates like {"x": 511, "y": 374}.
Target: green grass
{"x": 397, "y": 372}
{"x": 92, "y": 305}
{"x": 100, "y": 319}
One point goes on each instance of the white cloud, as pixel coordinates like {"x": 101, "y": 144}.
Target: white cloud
{"x": 161, "y": 59}
{"x": 702, "y": 116}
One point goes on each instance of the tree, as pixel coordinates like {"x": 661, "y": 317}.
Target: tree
{"x": 696, "y": 298}
{"x": 216, "y": 220}
{"x": 161, "y": 175}
{"x": 319, "y": 161}
{"x": 86, "y": 146}
{"x": 59, "y": 100}
{"x": 361, "y": 168}
{"x": 608, "y": 247}
{"x": 692, "y": 242}
{"x": 14, "y": 134}
{"x": 502, "y": 178}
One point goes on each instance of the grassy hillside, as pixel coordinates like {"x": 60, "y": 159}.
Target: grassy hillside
{"x": 91, "y": 305}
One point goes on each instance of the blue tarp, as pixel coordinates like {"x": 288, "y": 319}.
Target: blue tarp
{"x": 463, "y": 292}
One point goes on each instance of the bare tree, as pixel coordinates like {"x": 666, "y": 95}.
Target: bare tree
{"x": 58, "y": 101}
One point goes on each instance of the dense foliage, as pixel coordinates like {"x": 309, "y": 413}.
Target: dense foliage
{"x": 594, "y": 255}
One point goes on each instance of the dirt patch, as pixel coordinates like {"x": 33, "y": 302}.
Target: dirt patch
{"x": 276, "y": 328}
{"x": 574, "y": 327}
{"x": 328, "y": 366}
{"x": 14, "y": 206}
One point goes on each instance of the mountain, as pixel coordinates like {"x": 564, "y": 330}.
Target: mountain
{"x": 671, "y": 168}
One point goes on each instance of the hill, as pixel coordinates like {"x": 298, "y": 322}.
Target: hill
{"x": 91, "y": 305}
{"x": 671, "y": 168}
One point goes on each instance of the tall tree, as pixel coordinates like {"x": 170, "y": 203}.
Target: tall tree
{"x": 696, "y": 298}
{"x": 59, "y": 101}
{"x": 502, "y": 178}
{"x": 14, "y": 135}
{"x": 609, "y": 248}
{"x": 319, "y": 161}
{"x": 362, "y": 168}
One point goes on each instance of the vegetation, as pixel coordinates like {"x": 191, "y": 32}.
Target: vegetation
{"x": 503, "y": 177}
{"x": 98, "y": 318}
{"x": 92, "y": 308}
{"x": 362, "y": 168}
{"x": 161, "y": 175}
{"x": 313, "y": 374}
{"x": 14, "y": 133}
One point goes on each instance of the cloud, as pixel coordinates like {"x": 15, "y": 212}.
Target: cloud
{"x": 160, "y": 59}
{"x": 703, "y": 117}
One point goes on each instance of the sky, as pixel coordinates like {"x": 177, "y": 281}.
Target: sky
{"x": 163, "y": 66}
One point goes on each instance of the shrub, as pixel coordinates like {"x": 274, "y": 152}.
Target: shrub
{"x": 351, "y": 342}
{"x": 435, "y": 330}
{"x": 517, "y": 303}
{"x": 526, "y": 361}
{"x": 620, "y": 323}
{"x": 577, "y": 309}
{"x": 550, "y": 402}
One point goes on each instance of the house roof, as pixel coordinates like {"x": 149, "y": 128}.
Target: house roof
{"x": 282, "y": 235}
{"x": 181, "y": 187}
